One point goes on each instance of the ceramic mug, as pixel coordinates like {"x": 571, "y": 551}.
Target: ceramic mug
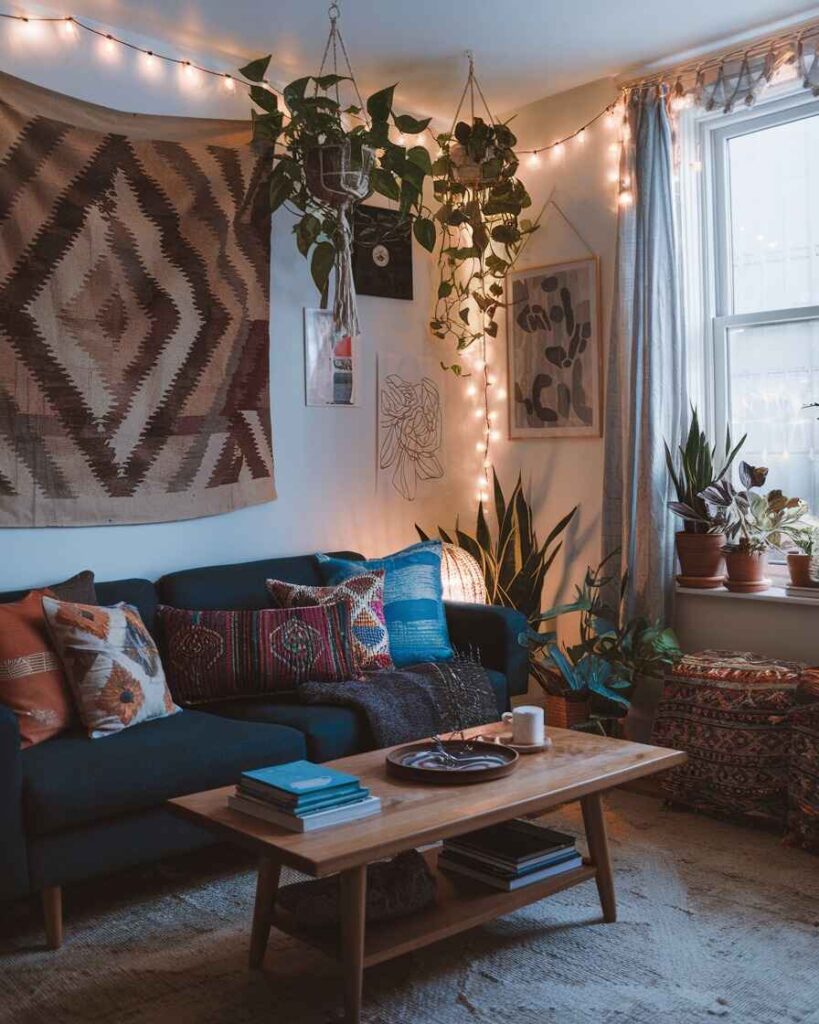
{"x": 528, "y": 725}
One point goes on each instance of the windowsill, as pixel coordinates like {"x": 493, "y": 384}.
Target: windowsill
{"x": 776, "y": 595}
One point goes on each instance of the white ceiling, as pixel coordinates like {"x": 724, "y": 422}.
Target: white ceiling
{"x": 524, "y": 49}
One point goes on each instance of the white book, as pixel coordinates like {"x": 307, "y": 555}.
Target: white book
{"x": 513, "y": 883}
{"x": 319, "y": 819}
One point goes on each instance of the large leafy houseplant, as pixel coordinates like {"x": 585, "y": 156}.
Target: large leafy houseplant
{"x": 613, "y": 652}
{"x": 315, "y": 136}
{"x": 514, "y": 562}
{"x": 482, "y": 229}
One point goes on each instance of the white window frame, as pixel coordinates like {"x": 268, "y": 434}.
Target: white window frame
{"x": 705, "y": 233}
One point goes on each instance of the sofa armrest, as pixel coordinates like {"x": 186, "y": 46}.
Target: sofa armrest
{"x": 13, "y": 858}
{"x": 494, "y": 633}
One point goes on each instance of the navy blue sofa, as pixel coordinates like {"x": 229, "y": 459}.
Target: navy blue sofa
{"x": 73, "y": 808}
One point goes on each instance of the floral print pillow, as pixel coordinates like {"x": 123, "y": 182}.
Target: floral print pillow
{"x": 112, "y": 665}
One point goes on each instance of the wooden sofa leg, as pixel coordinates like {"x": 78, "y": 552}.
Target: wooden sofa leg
{"x": 52, "y": 897}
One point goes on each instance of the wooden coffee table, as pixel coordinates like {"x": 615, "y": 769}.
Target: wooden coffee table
{"x": 578, "y": 766}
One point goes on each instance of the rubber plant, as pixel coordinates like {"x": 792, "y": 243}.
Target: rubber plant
{"x": 482, "y": 230}
{"x": 514, "y": 562}
{"x": 313, "y": 118}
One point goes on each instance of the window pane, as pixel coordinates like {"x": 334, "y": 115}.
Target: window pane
{"x": 774, "y": 372}
{"x": 774, "y": 229}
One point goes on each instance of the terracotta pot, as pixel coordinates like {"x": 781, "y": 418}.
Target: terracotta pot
{"x": 799, "y": 568}
{"x": 563, "y": 712}
{"x": 746, "y": 571}
{"x": 702, "y": 564}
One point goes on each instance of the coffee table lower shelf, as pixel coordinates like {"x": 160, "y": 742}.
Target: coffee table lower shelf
{"x": 461, "y": 904}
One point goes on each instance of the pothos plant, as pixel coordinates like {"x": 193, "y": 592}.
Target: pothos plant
{"x": 481, "y": 226}
{"x": 314, "y": 118}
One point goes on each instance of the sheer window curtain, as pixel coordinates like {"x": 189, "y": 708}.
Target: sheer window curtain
{"x": 647, "y": 394}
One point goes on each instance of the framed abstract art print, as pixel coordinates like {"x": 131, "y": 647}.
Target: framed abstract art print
{"x": 554, "y": 351}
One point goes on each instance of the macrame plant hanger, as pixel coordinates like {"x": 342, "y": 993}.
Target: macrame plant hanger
{"x": 334, "y": 180}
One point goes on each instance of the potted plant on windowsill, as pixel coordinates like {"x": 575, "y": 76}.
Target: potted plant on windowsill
{"x": 613, "y": 654}
{"x": 700, "y": 542}
{"x": 753, "y": 524}
{"x": 799, "y": 561}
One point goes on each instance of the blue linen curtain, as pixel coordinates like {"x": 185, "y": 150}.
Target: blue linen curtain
{"x": 646, "y": 382}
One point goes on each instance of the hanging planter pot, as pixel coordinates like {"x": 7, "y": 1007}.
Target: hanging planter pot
{"x": 328, "y": 155}
{"x": 470, "y": 172}
{"x": 335, "y": 175}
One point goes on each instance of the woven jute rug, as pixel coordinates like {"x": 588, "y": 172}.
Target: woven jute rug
{"x": 715, "y": 921}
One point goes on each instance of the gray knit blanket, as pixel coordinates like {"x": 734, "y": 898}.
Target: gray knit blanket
{"x": 402, "y": 705}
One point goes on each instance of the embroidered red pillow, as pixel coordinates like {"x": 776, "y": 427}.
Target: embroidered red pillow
{"x": 365, "y": 596}
{"x": 219, "y": 655}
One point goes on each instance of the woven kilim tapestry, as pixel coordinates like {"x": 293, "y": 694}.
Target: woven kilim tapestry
{"x": 134, "y": 280}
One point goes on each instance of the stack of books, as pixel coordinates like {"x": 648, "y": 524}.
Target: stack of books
{"x": 511, "y": 855}
{"x": 303, "y": 796}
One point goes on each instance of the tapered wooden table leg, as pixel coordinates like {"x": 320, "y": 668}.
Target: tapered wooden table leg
{"x": 595, "y": 825}
{"x": 353, "y": 901}
{"x": 267, "y": 884}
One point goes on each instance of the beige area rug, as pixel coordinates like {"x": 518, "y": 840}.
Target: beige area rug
{"x": 715, "y": 921}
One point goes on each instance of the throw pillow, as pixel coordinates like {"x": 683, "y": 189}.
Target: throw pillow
{"x": 32, "y": 682}
{"x": 112, "y": 665}
{"x": 79, "y": 589}
{"x": 365, "y": 596}
{"x": 220, "y": 655}
{"x": 413, "y": 599}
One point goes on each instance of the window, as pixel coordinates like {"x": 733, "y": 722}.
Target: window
{"x": 757, "y": 206}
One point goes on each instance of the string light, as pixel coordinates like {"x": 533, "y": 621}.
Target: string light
{"x": 69, "y": 28}
{"x": 534, "y": 158}
{"x": 625, "y": 198}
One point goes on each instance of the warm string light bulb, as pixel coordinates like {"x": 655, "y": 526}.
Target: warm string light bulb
{"x": 558, "y": 149}
{"x": 534, "y": 159}
{"x": 626, "y": 197}
{"x": 69, "y": 29}
{"x": 229, "y": 83}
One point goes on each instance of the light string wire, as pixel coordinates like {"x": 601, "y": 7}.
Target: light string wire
{"x": 230, "y": 81}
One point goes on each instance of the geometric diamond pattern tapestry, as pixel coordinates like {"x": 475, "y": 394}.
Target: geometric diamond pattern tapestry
{"x": 134, "y": 308}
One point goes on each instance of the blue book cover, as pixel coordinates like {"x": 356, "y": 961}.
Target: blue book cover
{"x": 300, "y": 778}
{"x": 324, "y": 798}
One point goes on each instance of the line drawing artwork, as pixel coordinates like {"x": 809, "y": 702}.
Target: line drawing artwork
{"x": 411, "y": 424}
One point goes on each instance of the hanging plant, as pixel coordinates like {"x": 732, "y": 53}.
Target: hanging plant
{"x": 481, "y": 224}
{"x": 329, "y": 156}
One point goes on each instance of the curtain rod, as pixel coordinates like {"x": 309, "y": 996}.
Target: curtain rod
{"x": 759, "y": 47}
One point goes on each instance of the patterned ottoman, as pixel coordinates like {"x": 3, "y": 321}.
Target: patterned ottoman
{"x": 729, "y": 711}
{"x": 803, "y": 783}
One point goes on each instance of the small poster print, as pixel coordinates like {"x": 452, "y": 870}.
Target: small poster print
{"x": 330, "y": 361}
{"x": 554, "y": 351}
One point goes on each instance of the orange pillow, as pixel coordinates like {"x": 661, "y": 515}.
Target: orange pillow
{"x": 32, "y": 683}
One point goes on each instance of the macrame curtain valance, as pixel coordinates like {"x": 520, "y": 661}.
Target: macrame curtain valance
{"x": 730, "y": 80}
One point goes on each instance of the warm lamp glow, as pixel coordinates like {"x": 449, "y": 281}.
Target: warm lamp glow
{"x": 558, "y": 150}
{"x": 230, "y": 85}
{"x": 625, "y": 198}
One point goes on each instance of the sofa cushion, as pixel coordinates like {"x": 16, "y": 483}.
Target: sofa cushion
{"x": 330, "y": 732}
{"x": 140, "y": 594}
{"x": 241, "y": 585}
{"x": 413, "y": 599}
{"x": 71, "y": 779}
{"x": 227, "y": 655}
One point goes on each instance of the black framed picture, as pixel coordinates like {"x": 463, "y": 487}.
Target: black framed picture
{"x": 382, "y": 253}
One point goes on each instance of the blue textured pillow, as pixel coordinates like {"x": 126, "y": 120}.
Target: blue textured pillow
{"x": 413, "y": 599}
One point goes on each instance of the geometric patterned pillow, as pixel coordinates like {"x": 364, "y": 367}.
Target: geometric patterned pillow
{"x": 223, "y": 655}
{"x": 112, "y": 665}
{"x": 364, "y": 594}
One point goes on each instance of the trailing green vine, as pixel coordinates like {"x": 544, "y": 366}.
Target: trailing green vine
{"x": 481, "y": 229}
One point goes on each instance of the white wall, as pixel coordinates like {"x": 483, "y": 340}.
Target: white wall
{"x": 563, "y": 472}
{"x": 325, "y": 458}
